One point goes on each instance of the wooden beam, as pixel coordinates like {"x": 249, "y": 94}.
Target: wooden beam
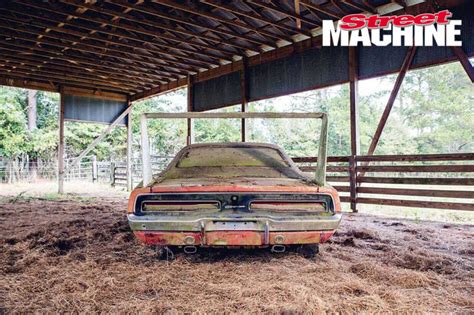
{"x": 69, "y": 74}
{"x": 131, "y": 30}
{"x": 6, "y": 53}
{"x": 284, "y": 12}
{"x": 145, "y": 144}
{"x": 464, "y": 60}
{"x": 162, "y": 15}
{"x": 156, "y": 24}
{"x": 129, "y": 150}
{"x": 96, "y": 141}
{"x": 150, "y": 48}
{"x": 194, "y": 10}
{"x": 253, "y": 16}
{"x": 190, "y": 108}
{"x": 61, "y": 143}
{"x": 182, "y": 67}
{"x": 298, "y": 12}
{"x": 320, "y": 9}
{"x": 354, "y": 121}
{"x": 86, "y": 62}
{"x": 244, "y": 97}
{"x": 357, "y": 6}
{"x": 20, "y": 73}
{"x": 393, "y": 95}
{"x": 354, "y": 99}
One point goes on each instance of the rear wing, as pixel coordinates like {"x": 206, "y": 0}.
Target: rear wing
{"x": 320, "y": 178}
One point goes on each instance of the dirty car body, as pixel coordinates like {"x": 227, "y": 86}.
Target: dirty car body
{"x": 234, "y": 195}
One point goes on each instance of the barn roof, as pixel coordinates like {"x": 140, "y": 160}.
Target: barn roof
{"x": 137, "y": 49}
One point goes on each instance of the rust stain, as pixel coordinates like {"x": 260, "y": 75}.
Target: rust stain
{"x": 234, "y": 238}
{"x": 167, "y": 238}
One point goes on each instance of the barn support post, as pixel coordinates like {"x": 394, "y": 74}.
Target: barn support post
{"x": 190, "y": 127}
{"x": 354, "y": 121}
{"x": 244, "y": 96}
{"x": 391, "y": 100}
{"x": 129, "y": 149}
{"x": 464, "y": 60}
{"x": 61, "y": 143}
{"x": 146, "y": 161}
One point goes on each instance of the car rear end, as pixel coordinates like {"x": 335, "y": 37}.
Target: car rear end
{"x": 234, "y": 216}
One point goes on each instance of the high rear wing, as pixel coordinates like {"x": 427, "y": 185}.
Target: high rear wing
{"x": 320, "y": 178}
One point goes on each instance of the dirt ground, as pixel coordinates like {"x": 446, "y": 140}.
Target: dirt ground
{"x": 80, "y": 256}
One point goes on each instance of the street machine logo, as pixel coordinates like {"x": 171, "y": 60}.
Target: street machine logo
{"x": 424, "y": 29}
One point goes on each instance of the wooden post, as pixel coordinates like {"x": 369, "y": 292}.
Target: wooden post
{"x": 129, "y": 150}
{"x": 94, "y": 168}
{"x": 146, "y": 162}
{"x": 353, "y": 182}
{"x": 354, "y": 120}
{"x": 244, "y": 96}
{"x": 464, "y": 60}
{"x": 112, "y": 174}
{"x": 61, "y": 143}
{"x": 190, "y": 132}
{"x": 393, "y": 95}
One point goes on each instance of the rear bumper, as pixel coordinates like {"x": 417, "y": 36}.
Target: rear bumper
{"x": 233, "y": 231}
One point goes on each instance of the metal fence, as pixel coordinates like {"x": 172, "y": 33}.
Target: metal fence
{"x": 18, "y": 170}
{"x": 119, "y": 169}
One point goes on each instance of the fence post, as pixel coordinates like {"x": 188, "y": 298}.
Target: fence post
{"x": 94, "y": 168}
{"x": 353, "y": 182}
{"x": 112, "y": 174}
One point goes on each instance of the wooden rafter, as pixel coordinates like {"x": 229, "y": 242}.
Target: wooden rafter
{"x": 131, "y": 29}
{"x": 219, "y": 19}
{"x": 251, "y": 15}
{"x": 464, "y": 60}
{"x": 391, "y": 100}
{"x": 95, "y": 32}
{"x": 278, "y": 9}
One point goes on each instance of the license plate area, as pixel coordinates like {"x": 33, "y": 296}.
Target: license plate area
{"x": 233, "y": 226}
{"x": 234, "y": 233}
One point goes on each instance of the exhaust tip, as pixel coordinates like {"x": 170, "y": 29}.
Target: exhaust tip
{"x": 278, "y": 249}
{"x": 190, "y": 249}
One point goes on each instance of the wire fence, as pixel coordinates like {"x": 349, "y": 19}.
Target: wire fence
{"x": 89, "y": 169}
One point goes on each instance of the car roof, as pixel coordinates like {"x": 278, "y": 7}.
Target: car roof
{"x": 234, "y": 145}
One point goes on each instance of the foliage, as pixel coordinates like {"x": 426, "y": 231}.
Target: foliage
{"x": 434, "y": 113}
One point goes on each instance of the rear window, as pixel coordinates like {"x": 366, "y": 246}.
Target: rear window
{"x": 232, "y": 157}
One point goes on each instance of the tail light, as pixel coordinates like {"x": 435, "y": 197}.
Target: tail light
{"x": 171, "y": 206}
{"x": 292, "y": 206}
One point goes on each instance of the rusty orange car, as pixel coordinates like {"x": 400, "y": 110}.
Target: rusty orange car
{"x": 234, "y": 195}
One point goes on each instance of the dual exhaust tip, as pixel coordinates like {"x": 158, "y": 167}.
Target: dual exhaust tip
{"x": 274, "y": 249}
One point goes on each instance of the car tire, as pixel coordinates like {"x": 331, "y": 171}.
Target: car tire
{"x": 164, "y": 253}
{"x": 309, "y": 251}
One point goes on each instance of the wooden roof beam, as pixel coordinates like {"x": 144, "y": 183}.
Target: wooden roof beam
{"x": 250, "y": 28}
{"x": 49, "y": 73}
{"x": 319, "y": 8}
{"x": 110, "y": 53}
{"x": 284, "y": 12}
{"x": 159, "y": 14}
{"x": 362, "y": 8}
{"x": 155, "y": 24}
{"x": 193, "y": 62}
{"x": 129, "y": 28}
{"x": 114, "y": 64}
{"x": 24, "y": 75}
{"x": 64, "y": 68}
{"x": 250, "y": 15}
{"x": 94, "y": 34}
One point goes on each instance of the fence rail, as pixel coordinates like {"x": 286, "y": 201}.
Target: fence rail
{"x": 359, "y": 179}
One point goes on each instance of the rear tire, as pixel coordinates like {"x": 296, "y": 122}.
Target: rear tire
{"x": 309, "y": 251}
{"x": 164, "y": 253}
